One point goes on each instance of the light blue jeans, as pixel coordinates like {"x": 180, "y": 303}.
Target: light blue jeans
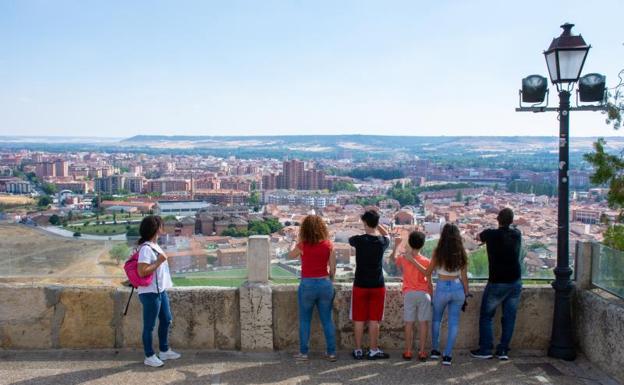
{"x": 447, "y": 294}
{"x": 319, "y": 292}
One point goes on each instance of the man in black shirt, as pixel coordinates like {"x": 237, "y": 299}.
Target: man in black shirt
{"x": 369, "y": 291}
{"x": 504, "y": 285}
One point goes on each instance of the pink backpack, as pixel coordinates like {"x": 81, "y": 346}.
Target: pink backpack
{"x": 132, "y": 270}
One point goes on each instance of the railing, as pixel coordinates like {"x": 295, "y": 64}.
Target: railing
{"x": 607, "y": 269}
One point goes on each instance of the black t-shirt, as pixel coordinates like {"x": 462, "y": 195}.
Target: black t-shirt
{"x": 369, "y": 251}
{"x": 503, "y": 249}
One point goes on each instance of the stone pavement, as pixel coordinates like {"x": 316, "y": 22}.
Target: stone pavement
{"x": 69, "y": 367}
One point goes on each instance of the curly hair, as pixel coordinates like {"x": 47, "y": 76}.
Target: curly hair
{"x": 450, "y": 253}
{"x": 313, "y": 230}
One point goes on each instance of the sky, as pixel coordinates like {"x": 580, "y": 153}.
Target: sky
{"x": 118, "y": 68}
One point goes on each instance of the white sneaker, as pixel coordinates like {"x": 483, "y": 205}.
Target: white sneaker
{"x": 153, "y": 361}
{"x": 169, "y": 355}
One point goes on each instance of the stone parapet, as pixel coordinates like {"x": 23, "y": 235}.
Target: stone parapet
{"x": 533, "y": 325}
{"x": 599, "y": 326}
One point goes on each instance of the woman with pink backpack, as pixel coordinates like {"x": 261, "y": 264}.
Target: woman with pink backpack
{"x": 153, "y": 266}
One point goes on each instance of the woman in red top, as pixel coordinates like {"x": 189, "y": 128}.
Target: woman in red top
{"x": 318, "y": 267}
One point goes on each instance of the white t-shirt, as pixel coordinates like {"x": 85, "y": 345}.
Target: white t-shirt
{"x": 147, "y": 255}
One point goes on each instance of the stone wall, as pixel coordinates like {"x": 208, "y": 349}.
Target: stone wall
{"x": 533, "y": 325}
{"x": 33, "y": 317}
{"x": 91, "y": 317}
{"x": 599, "y": 325}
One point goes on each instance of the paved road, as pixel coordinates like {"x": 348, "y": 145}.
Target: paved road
{"x": 210, "y": 367}
{"x": 70, "y": 234}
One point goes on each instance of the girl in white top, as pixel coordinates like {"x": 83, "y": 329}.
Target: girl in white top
{"x": 451, "y": 262}
{"x": 152, "y": 260}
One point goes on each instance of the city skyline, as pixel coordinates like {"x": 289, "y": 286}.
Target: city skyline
{"x": 451, "y": 68}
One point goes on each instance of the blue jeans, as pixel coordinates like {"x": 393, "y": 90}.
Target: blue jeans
{"x": 447, "y": 294}
{"x": 319, "y": 292}
{"x": 155, "y": 306}
{"x": 507, "y": 294}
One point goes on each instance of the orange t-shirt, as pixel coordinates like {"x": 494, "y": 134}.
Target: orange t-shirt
{"x": 413, "y": 279}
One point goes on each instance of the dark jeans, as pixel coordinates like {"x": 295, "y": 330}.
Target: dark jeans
{"x": 155, "y": 306}
{"x": 495, "y": 294}
{"x": 320, "y": 293}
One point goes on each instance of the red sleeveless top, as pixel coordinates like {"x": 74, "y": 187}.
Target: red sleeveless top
{"x": 315, "y": 258}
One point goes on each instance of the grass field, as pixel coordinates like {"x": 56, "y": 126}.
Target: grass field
{"x": 100, "y": 229}
{"x": 230, "y": 278}
{"x": 17, "y": 202}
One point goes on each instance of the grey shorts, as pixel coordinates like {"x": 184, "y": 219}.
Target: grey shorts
{"x": 416, "y": 302}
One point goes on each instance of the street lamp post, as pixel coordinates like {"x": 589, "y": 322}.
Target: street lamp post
{"x": 565, "y": 59}
{"x": 561, "y": 341}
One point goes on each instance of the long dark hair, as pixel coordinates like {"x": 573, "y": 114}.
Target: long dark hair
{"x": 149, "y": 227}
{"x": 450, "y": 253}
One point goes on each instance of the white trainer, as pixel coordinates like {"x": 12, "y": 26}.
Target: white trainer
{"x": 153, "y": 361}
{"x": 169, "y": 355}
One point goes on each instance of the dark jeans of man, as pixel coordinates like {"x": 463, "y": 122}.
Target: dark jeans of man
{"x": 495, "y": 294}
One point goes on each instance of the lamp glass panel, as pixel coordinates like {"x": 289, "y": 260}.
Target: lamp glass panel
{"x": 570, "y": 64}
{"x": 551, "y": 62}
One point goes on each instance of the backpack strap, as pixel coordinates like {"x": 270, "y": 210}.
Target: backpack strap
{"x": 156, "y": 271}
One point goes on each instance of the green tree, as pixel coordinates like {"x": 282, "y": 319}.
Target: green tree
{"x": 70, "y": 215}
{"x": 49, "y": 188}
{"x": 459, "y": 196}
{"x": 609, "y": 170}
{"x": 274, "y": 224}
{"x": 343, "y": 186}
{"x": 478, "y": 263}
{"x": 614, "y": 237}
{"x": 120, "y": 252}
{"x": 44, "y": 201}
{"x": 254, "y": 198}
{"x": 55, "y": 220}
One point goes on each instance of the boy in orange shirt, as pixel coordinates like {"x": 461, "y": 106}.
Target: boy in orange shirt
{"x": 416, "y": 293}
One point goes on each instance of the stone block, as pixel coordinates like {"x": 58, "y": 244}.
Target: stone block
{"x": 22, "y": 303}
{"x": 599, "y": 326}
{"x": 130, "y": 327}
{"x": 256, "y": 317}
{"x": 258, "y": 258}
{"x": 227, "y": 319}
{"x": 87, "y": 321}
{"x": 34, "y": 333}
{"x": 534, "y": 319}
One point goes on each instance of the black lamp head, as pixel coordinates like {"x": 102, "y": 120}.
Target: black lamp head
{"x": 534, "y": 89}
{"x": 592, "y": 88}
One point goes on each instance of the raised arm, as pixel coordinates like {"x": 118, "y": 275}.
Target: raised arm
{"x": 295, "y": 251}
{"x": 382, "y": 230}
{"x": 395, "y": 249}
{"x": 427, "y": 271}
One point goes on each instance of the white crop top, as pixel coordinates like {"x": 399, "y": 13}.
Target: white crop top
{"x": 443, "y": 271}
